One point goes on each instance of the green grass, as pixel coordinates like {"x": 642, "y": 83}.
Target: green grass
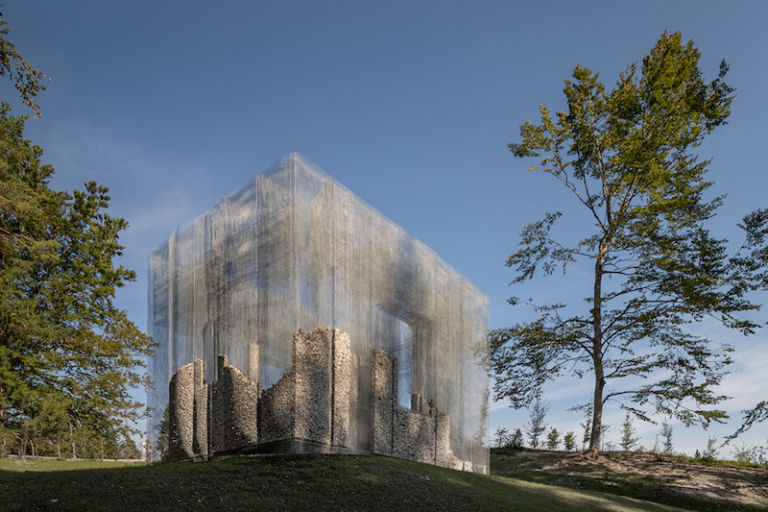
{"x": 286, "y": 483}
{"x": 36, "y": 465}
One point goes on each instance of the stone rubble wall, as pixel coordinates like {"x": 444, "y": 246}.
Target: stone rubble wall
{"x": 384, "y": 399}
{"x": 413, "y": 436}
{"x": 181, "y": 406}
{"x": 313, "y": 368}
{"x": 277, "y": 411}
{"x": 233, "y": 410}
{"x": 443, "y": 454}
{"x": 200, "y": 412}
{"x": 313, "y": 402}
{"x": 344, "y": 382}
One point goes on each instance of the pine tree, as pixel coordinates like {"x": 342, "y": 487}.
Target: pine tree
{"x": 553, "y": 439}
{"x": 710, "y": 452}
{"x": 666, "y": 436}
{"x": 536, "y": 425}
{"x": 501, "y": 437}
{"x": 628, "y": 439}
{"x": 517, "y": 439}
{"x": 569, "y": 441}
{"x": 68, "y": 355}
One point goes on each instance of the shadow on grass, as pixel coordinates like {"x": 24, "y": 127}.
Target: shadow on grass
{"x": 293, "y": 483}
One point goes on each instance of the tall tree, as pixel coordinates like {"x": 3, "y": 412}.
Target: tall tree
{"x": 627, "y": 156}
{"x": 68, "y": 355}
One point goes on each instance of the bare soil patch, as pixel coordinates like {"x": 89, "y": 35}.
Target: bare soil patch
{"x": 656, "y": 477}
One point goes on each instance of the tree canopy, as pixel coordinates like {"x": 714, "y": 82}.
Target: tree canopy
{"x": 628, "y": 157}
{"x": 68, "y": 354}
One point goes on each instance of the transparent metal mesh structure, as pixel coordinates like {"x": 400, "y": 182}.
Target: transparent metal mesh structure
{"x": 295, "y": 249}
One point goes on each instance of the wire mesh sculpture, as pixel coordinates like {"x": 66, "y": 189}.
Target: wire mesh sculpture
{"x": 295, "y": 249}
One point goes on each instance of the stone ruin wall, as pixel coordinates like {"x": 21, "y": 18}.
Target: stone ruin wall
{"x": 310, "y": 409}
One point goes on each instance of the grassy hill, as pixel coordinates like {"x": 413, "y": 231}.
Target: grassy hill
{"x": 289, "y": 483}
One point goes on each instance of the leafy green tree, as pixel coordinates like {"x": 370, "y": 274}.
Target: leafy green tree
{"x": 27, "y": 80}
{"x": 553, "y": 439}
{"x": 628, "y": 439}
{"x": 68, "y": 355}
{"x": 569, "y": 440}
{"x": 628, "y": 157}
{"x": 536, "y": 425}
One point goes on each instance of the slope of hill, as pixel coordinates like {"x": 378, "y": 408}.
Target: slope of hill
{"x": 663, "y": 479}
{"x": 287, "y": 483}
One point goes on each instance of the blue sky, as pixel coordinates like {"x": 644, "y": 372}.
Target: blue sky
{"x": 174, "y": 104}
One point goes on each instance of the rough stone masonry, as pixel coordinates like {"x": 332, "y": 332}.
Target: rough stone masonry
{"x": 307, "y": 411}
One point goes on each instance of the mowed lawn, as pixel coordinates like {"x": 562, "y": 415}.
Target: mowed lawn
{"x": 280, "y": 483}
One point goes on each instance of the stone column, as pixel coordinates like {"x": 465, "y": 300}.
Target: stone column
{"x": 181, "y": 413}
{"x": 312, "y": 366}
{"x": 200, "y": 414}
{"x": 342, "y": 389}
{"x": 382, "y": 387}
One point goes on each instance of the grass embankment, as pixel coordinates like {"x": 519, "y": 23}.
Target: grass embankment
{"x": 286, "y": 483}
{"x": 673, "y": 480}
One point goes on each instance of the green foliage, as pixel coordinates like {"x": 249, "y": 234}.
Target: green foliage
{"x": 746, "y": 454}
{"x": 628, "y": 439}
{"x": 666, "y": 436}
{"x": 587, "y": 426}
{"x": 68, "y": 355}
{"x": 501, "y": 437}
{"x": 27, "y": 80}
{"x": 628, "y": 158}
{"x": 516, "y": 441}
{"x": 553, "y": 439}
{"x": 536, "y": 425}
{"x": 569, "y": 441}
{"x": 710, "y": 452}
{"x": 161, "y": 443}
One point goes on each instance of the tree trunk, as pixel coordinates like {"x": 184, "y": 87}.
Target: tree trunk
{"x": 597, "y": 414}
{"x": 23, "y": 442}
{"x": 72, "y": 440}
{"x": 597, "y": 355}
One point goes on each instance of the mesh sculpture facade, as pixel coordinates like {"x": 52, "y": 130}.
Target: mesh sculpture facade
{"x": 292, "y": 250}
